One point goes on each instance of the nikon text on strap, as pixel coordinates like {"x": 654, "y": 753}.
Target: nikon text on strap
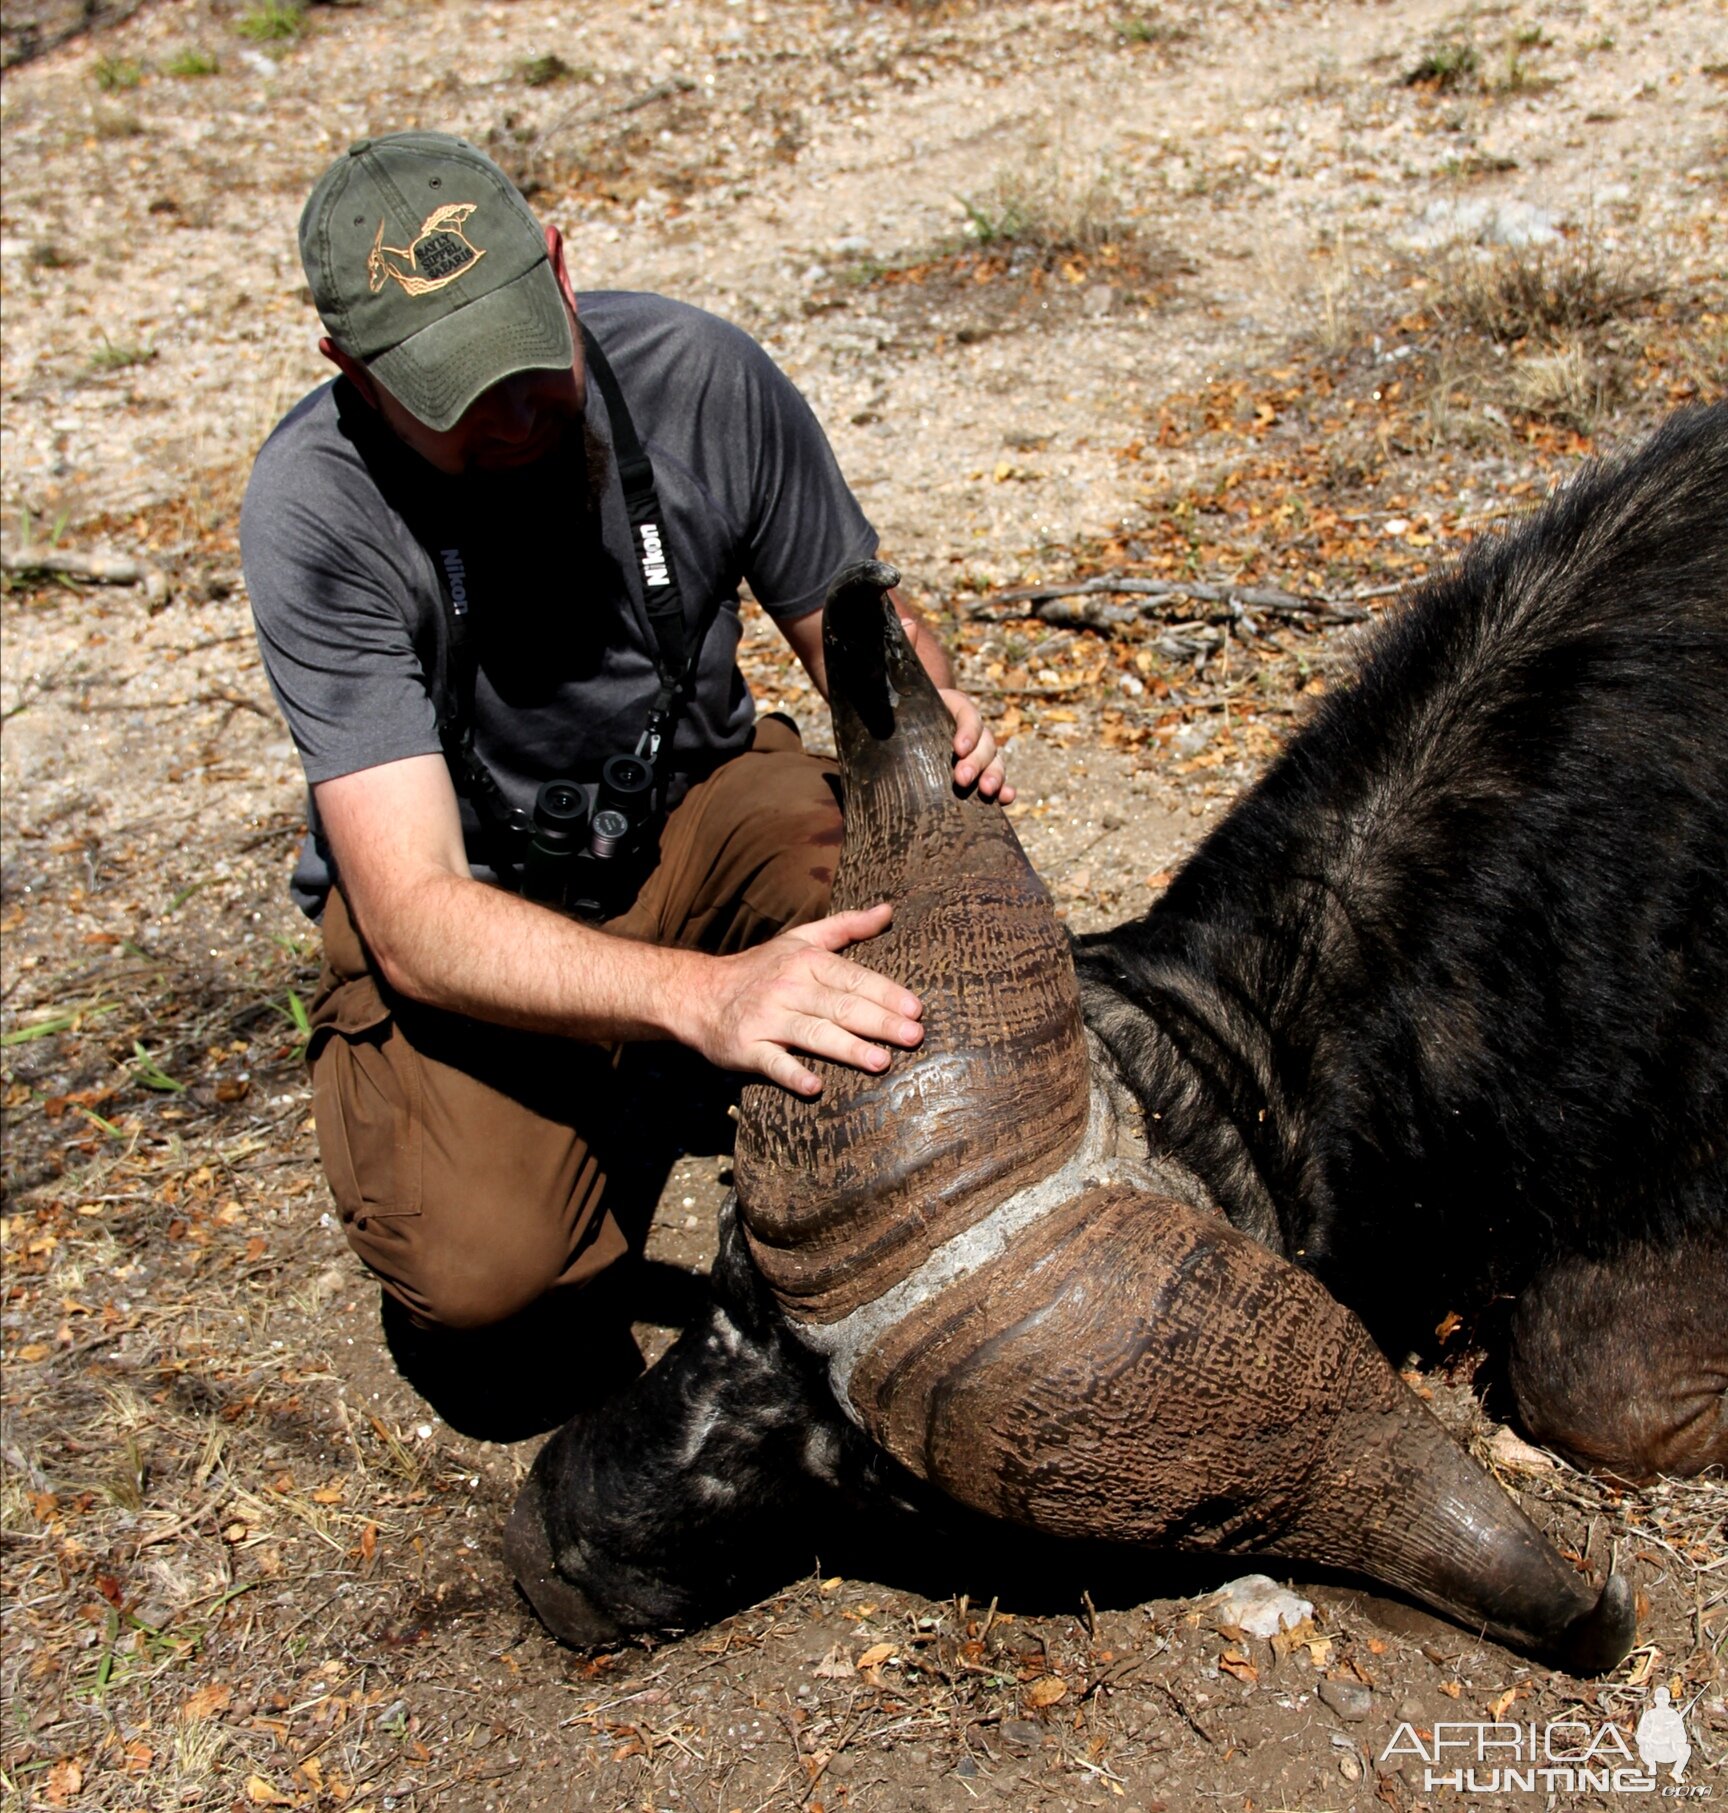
{"x": 674, "y": 662}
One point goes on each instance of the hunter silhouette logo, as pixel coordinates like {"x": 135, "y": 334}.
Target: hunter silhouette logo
{"x": 438, "y": 254}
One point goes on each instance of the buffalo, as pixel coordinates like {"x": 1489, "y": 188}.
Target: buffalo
{"x": 1435, "y": 1021}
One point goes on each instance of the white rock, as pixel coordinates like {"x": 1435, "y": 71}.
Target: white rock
{"x": 1258, "y": 1606}
{"x": 1190, "y": 740}
{"x": 1478, "y": 219}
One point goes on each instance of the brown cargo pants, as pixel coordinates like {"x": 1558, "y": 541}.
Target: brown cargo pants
{"x": 468, "y": 1160}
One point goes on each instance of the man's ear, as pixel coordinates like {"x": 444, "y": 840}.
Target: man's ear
{"x": 351, "y": 368}
{"x": 555, "y": 253}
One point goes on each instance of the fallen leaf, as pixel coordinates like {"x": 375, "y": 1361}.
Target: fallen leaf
{"x": 37, "y": 1350}
{"x": 1500, "y": 1702}
{"x": 262, "y": 1794}
{"x": 1235, "y": 1663}
{"x": 1292, "y": 1636}
{"x": 1045, "y": 1692}
{"x": 312, "y": 1773}
{"x": 64, "y": 1781}
{"x": 369, "y": 1542}
{"x": 876, "y": 1655}
{"x": 207, "y": 1700}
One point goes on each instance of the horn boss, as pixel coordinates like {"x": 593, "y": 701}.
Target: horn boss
{"x": 1011, "y": 1301}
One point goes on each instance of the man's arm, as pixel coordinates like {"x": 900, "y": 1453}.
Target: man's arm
{"x": 976, "y": 756}
{"x": 441, "y": 937}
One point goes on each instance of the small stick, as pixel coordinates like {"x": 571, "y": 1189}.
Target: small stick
{"x": 1048, "y": 604}
{"x": 94, "y": 568}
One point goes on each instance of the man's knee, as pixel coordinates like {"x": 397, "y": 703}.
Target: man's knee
{"x": 476, "y": 1289}
{"x": 796, "y": 884}
{"x": 797, "y": 811}
{"x": 458, "y": 1180}
{"x": 479, "y": 1278}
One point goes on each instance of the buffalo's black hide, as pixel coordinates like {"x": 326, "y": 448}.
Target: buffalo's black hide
{"x": 1446, "y": 994}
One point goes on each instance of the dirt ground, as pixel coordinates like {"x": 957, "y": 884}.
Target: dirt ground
{"x": 1263, "y": 308}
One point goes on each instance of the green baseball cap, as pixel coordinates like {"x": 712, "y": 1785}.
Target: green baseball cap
{"x": 426, "y": 264}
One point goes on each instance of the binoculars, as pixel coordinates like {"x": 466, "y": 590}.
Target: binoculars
{"x": 581, "y": 861}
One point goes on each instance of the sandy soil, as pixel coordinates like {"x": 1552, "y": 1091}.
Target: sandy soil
{"x": 1243, "y": 295}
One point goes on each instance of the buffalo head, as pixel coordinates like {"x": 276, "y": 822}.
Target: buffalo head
{"x": 1022, "y": 1308}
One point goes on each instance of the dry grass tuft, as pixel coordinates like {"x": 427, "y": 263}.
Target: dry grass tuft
{"x": 1053, "y": 205}
{"x": 1565, "y": 384}
{"x": 1542, "y": 292}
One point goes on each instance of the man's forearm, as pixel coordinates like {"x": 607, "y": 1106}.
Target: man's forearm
{"x": 926, "y": 644}
{"x": 457, "y": 944}
{"x": 461, "y": 945}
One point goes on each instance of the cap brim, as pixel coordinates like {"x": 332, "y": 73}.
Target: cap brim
{"x": 523, "y": 325}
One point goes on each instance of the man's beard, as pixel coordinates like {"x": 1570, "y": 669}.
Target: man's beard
{"x": 572, "y": 476}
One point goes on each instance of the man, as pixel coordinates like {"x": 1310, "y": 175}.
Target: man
{"x": 502, "y": 546}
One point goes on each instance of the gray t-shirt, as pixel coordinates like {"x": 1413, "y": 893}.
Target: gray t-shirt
{"x": 349, "y": 603}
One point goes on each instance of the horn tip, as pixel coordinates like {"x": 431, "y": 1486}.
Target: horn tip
{"x": 1599, "y": 1639}
{"x": 871, "y": 575}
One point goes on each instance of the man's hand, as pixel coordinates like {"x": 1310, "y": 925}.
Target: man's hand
{"x": 979, "y": 758}
{"x": 795, "y": 993}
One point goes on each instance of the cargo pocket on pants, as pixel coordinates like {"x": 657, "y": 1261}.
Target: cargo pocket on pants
{"x": 366, "y": 1102}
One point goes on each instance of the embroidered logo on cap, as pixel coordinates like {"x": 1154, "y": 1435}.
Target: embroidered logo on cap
{"x": 438, "y": 254}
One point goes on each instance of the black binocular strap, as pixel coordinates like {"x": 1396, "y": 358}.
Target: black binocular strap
{"x": 454, "y": 698}
{"x": 677, "y": 658}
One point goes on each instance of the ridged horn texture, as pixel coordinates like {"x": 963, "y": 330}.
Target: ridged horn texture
{"x": 1018, "y": 1315}
{"x": 845, "y": 1198}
